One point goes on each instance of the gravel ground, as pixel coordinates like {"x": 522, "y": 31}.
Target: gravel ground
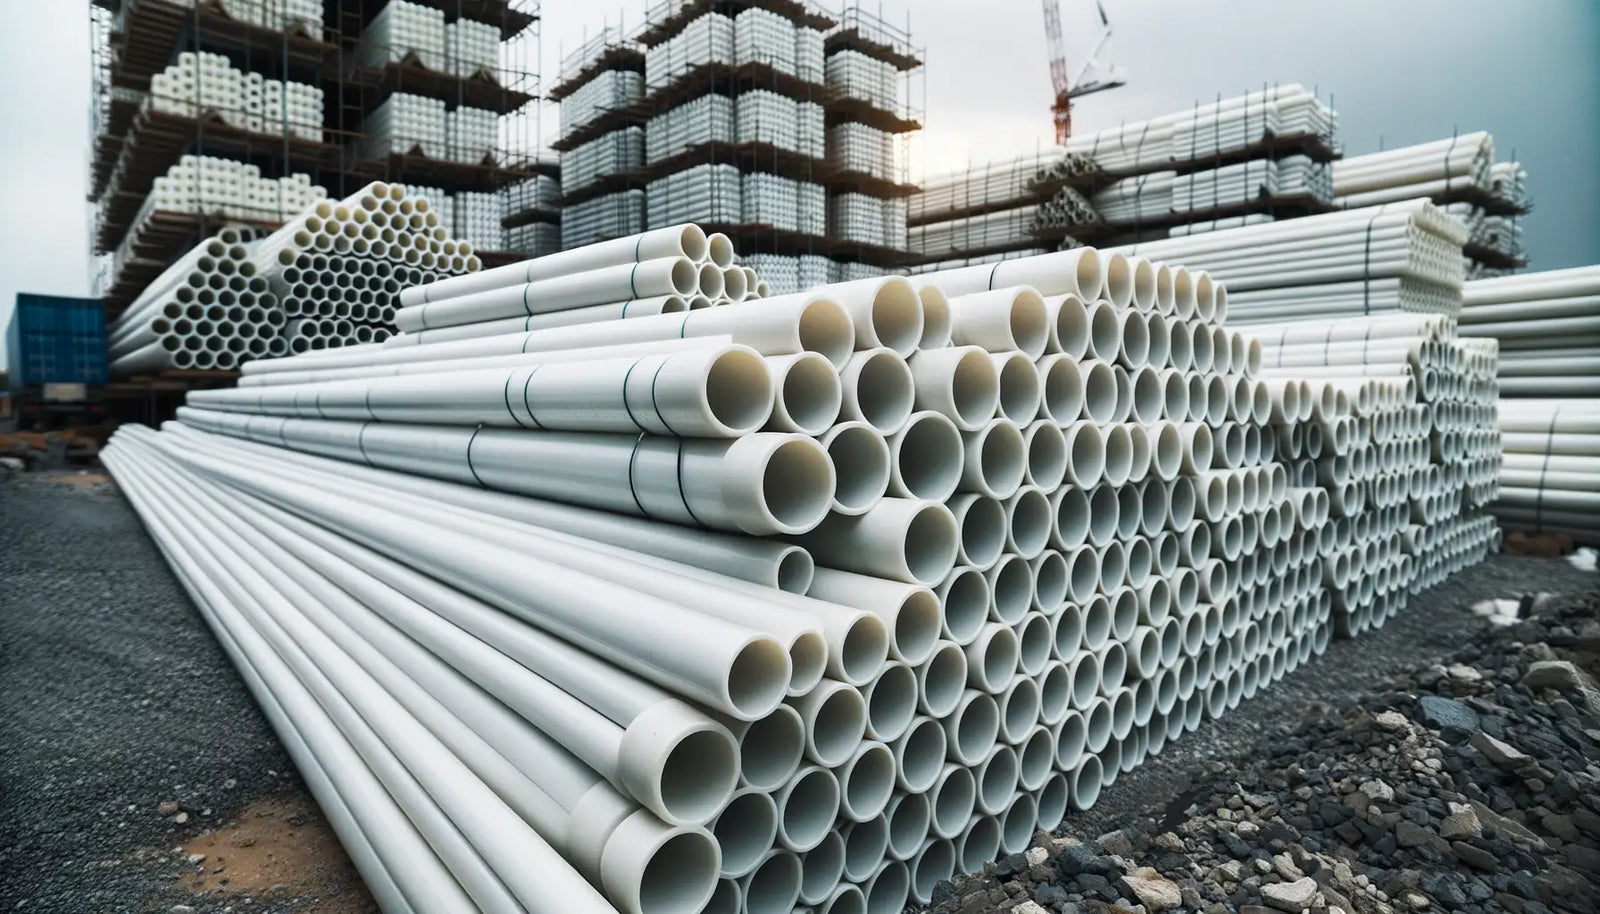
{"x": 115, "y": 699}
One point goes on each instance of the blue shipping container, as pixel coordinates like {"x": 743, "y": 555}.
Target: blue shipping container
{"x": 56, "y": 340}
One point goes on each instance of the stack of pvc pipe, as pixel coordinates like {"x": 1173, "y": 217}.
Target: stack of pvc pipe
{"x": 955, "y": 262}
{"x": 471, "y": 48}
{"x": 1336, "y": 263}
{"x": 996, "y": 185}
{"x": 540, "y": 193}
{"x": 404, "y": 29}
{"x": 1135, "y": 200}
{"x": 855, "y": 75}
{"x": 1550, "y": 480}
{"x": 1022, "y": 227}
{"x": 1205, "y": 131}
{"x": 534, "y": 239}
{"x": 479, "y": 218}
{"x": 706, "y": 192}
{"x": 884, "y": 576}
{"x": 761, "y": 116}
{"x": 864, "y": 150}
{"x": 227, "y": 189}
{"x": 706, "y": 41}
{"x": 609, "y": 90}
{"x": 1425, "y": 170}
{"x": 764, "y": 37}
{"x": 869, "y": 220}
{"x": 1499, "y": 235}
{"x": 438, "y": 200}
{"x": 282, "y": 15}
{"x": 208, "y": 310}
{"x": 617, "y": 151}
{"x": 610, "y": 216}
{"x": 1508, "y": 183}
{"x": 707, "y": 119}
{"x": 1397, "y": 429}
{"x": 1548, "y": 325}
{"x": 202, "y": 84}
{"x": 471, "y": 134}
{"x": 337, "y": 268}
{"x": 405, "y": 123}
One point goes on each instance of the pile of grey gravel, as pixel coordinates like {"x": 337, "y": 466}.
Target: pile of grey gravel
{"x": 1472, "y": 786}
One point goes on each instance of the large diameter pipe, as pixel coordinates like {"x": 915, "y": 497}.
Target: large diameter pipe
{"x": 664, "y": 276}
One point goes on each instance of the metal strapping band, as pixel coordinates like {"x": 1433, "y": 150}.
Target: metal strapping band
{"x": 361, "y": 442}
{"x": 627, "y": 406}
{"x": 1544, "y": 468}
{"x": 682, "y": 495}
{"x": 633, "y": 457}
{"x": 526, "y": 404}
{"x": 654, "y": 403}
{"x": 470, "y": 468}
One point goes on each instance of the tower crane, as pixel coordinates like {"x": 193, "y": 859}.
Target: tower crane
{"x": 1090, "y": 78}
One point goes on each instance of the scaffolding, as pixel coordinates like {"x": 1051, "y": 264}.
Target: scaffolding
{"x": 729, "y": 114}
{"x": 325, "y": 46}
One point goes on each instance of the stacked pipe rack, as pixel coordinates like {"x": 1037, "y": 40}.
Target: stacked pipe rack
{"x": 809, "y": 600}
{"x": 1029, "y": 204}
{"x": 186, "y": 94}
{"x": 1547, "y": 329}
{"x": 775, "y": 124}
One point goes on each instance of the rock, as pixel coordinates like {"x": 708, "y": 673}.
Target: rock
{"x": 1036, "y": 855}
{"x": 1446, "y": 713}
{"x": 1475, "y": 857}
{"x": 168, "y": 808}
{"x": 1290, "y": 896}
{"x": 1415, "y": 900}
{"x": 1499, "y": 752}
{"x": 1553, "y": 674}
{"x": 181, "y": 818}
{"x": 1460, "y": 824}
{"x": 1232, "y": 871}
{"x": 1154, "y": 891}
{"x": 1010, "y": 864}
{"x": 180, "y": 909}
{"x": 1081, "y": 858}
{"x": 1390, "y": 720}
{"x": 1049, "y": 894}
{"x": 1029, "y": 907}
{"x": 1118, "y": 843}
{"x": 1463, "y": 673}
{"x": 1378, "y": 790}
{"x": 1410, "y": 834}
{"x": 1508, "y": 827}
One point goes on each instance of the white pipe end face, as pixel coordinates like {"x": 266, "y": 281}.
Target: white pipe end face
{"x": 1205, "y": 297}
{"x": 1149, "y": 395}
{"x": 1029, "y": 322}
{"x": 997, "y": 779}
{"x": 961, "y": 383}
{"x": 1061, "y": 388}
{"x": 1118, "y": 467}
{"x": 647, "y": 867}
{"x": 879, "y": 389}
{"x": 964, "y": 597}
{"x": 1104, "y": 515}
{"x": 1017, "y": 823}
{"x": 1069, "y": 328}
{"x": 996, "y": 459}
{"x": 1046, "y": 450}
{"x": 1144, "y": 283}
{"x": 773, "y": 886}
{"x": 1221, "y": 351}
{"x": 794, "y": 483}
{"x": 909, "y": 817}
{"x": 1034, "y": 640}
{"x": 1086, "y": 453}
{"x": 980, "y": 844}
{"x": 888, "y": 888}
{"x": 825, "y": 328}
{"x": 866, "y": 781}
{"x": 1105, "y": 331}
{"x": 896, "y": 316}
{"x": 920, "y": 751}
{"x": 1010, "y": 589}
{"x": 1100, "y": 393}
{"x": 807, "y": 806}
{"x": 1117, "y": 286}
{"x": 770, "y": 749}
{"x": 679, "y": 763}
{"x": 1071, "y": 518}
{"x": 866, "y": 842}
{"x": 717, "y": 247}
{"x": 821, "y": 869}
{"x": 807, "y": 394}
{"x": 1029, "y": 518}
{"x": 953, "y": 797}
{"x": 1019, "y": 707}
{"x": 891, "y": 701}
{"x": 861, "y": 465}
{"x": 928, "y": 455}
{"x": 1049, "y": 582}
{"x": 846, "y": 899}
{"x": 1019, "y": 387}
{"x": 936, "y": 320}
{"x": 835, "y": 717}
{"x": 935, "y": 863}
{"x": 973, "y": 728}
{"x": 745, "y": 830}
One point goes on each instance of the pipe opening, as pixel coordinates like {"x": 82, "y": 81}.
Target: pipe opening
{"x": 1049, "y": 582}
{"x": 920, "y": 753}
{"x": 941, "y": 680}
{"x": 758, "y": 678}
{"x": 997, "y": 779}
{"x": 774, "y": 886}
{"x": 891, "y": 701}
{"x": 824, "y": 327}
{"x": 866, "y": 782}
{"x": 953, "y": 797}
{"x": 1019, "y": 387}
{"x": 738, "y": 391}
{"x": 977, "y": 726}
{"x": 797, "y": 485}
{"x": 884, "y": 391}
{"x": 865, "y": 844}
{"x": 980, "y": 844}
{"x": 861, "y": 464}
{"x": 745, "y": 830}
{"x": 809, "y": 394}
{"x": 931, "y": 543}
{"x": 679, "y": 875}
{"x": 770, "y": 748}
{"x": 897, "y": 316}
{"x": 928, "y": 456}
{"x": 1061, "y": 389}
{"x": 1033, "y": 645}
{"x": 936, "y": 320}
{"x": 807, "y": 807}
{"x": 1011, "y": 585}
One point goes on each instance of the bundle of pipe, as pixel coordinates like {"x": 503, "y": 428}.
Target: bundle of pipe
{"x": 1398, "y": 430}
{"x": 208, "y": 310}
{"x": 1021, "y": 227}
{"x": 1494, "y": 241}
{"x": 996, "y": 185}
{"x": 1548, "y": 325}
{"x": 1335, "y": 263}
{"x": 1508, "y": 184}
{"x": 1252, "y": 181}
{"x": 1433, "y": 169}
{"x": 996, "y": 257}
{"x": 1212, "y": 225}
{"x": 1550, "y": 478}
{"x": 1033, "y": 508}
{"x": 1205, "y": 131}
{"x": 338, "y": 268}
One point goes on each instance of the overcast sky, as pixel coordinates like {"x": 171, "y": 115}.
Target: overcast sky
{"x": 1398, "y": 71}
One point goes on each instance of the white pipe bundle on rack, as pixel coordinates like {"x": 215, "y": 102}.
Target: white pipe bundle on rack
{"x": 1008, "y": 228}
{"x": 996, "y": 185}
{"x": 209, "y": 310}
{"x": 1424, "y": 170}
{"x": 1548, "y": 482}
{"x": 792, "y": 597}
